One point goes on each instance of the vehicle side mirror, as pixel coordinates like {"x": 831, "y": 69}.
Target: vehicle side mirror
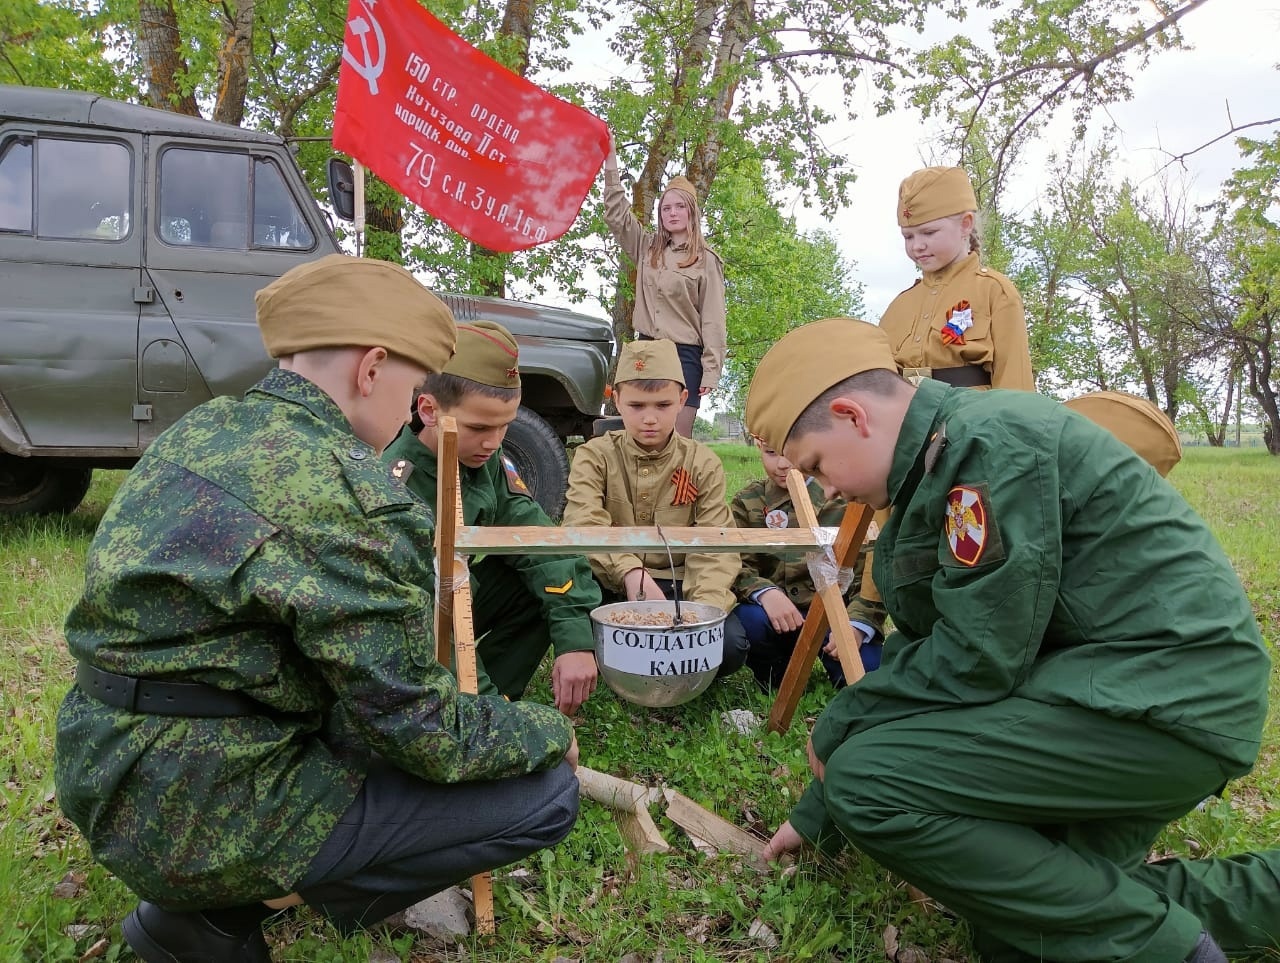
{"x": 342, "y": 188}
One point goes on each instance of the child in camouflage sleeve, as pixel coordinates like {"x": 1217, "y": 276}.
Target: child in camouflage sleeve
{"x": 775, "y": 592}
{"x": 258, "y": 719}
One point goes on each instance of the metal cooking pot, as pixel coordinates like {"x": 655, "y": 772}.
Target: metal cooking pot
{"x": 657, "y": 666}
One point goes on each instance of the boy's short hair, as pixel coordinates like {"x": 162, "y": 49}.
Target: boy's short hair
{"x": 817, "y": 416}
{"x": 449, "y": 391}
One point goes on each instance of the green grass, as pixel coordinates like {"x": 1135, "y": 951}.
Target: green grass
{"x": 586, "y": 900}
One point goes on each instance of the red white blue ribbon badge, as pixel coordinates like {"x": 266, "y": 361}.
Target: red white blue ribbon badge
{"x": 959, "y": 320}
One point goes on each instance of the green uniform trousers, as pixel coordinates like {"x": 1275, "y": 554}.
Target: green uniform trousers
{"x": 1033, "y": 822}
{"x": 511, "y": 633}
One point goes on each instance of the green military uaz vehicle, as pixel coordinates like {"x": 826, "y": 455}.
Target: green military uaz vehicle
{"x": 132, "y": 241}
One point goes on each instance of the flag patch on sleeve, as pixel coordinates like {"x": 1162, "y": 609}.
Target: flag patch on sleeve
{"x": 515, "y": 484}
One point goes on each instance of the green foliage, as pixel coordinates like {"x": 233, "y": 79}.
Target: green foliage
{"x": 777, "y": 278}
{"x": 64, "y": 43}
{"x": 1038, "y": 57}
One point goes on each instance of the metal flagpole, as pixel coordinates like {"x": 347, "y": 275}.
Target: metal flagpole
{"x": 358, "y": 168}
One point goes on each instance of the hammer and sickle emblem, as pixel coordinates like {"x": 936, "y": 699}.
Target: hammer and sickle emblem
{"x": 367, "y": 66}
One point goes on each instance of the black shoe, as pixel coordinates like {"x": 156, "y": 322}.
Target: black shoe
{"x": 161, "y": 936}
{"x": 1206, "y": 951}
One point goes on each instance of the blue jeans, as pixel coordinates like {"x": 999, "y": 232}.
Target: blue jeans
{"x": 769, "y": 651}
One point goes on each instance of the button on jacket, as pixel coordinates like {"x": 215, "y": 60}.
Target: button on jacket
{"x": 259, "y": 546}
{"x": 682, "y": 304}
{"x": 997, "y": 340}
{"x": 616, "y": 482}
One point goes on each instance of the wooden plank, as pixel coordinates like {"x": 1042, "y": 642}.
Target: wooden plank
{"x": 849, "y": 539}
{"x": 454, "y": 600}
{"x": 588, "y": 539}
{"x": 447, "y": 521}
{"x": 829, "y": 593}
{"x": 705, "y": 825}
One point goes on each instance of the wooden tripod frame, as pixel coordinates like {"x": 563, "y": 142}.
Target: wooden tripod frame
{"x": 455, "y": 627}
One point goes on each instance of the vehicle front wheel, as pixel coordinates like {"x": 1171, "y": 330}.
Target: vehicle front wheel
{"x": 40, "y": 486}
{"x": 541, "y": 460}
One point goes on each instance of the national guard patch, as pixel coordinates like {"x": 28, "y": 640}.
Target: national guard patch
{"x": 970, "y": 532}
{"x": 776, "y": 519}
{"x": 515, "y": 484}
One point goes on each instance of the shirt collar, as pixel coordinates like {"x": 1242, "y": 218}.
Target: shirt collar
{"x": 633, "y": 448}
{"x": 913, "y": 439}
{"x": 775, "y": 495}
{"x": 293, "y": 387}
{"x": 968, "y": 262}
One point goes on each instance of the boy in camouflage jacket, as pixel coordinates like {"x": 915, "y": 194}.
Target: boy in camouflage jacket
{"x": 259, "y": 720}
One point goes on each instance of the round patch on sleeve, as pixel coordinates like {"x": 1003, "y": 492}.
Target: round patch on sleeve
{"x": 966, "y": 524}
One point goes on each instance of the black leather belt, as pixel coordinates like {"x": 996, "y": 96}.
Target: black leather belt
{"x": 164, "y": 698}
{"x": 961, "y": 376}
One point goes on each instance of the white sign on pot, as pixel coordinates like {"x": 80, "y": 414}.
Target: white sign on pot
{"x": 663, "y": 652}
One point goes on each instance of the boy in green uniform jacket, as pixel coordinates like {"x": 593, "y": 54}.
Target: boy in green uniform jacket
{"x": 647, "y": 474}
{"x": 1074, "y": 664}
{"x": 259, "y": 719}
{"x": 775, "y": 592}
{"x": 523, "y": 604}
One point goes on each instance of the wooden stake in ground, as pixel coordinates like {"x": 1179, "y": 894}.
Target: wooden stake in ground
{"x": 456, "y": 587}
{"x": 849, "y": 539}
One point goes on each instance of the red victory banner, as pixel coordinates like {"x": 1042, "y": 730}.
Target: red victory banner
{"x": 501, "y": 161}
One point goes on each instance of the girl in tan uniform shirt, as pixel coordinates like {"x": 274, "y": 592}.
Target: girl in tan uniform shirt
{"x": 961, "y": 323}
{"x": 679, "y": 282}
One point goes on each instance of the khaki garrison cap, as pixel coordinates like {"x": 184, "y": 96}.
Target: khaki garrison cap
{"x": 681, "y": 184}
{"x": 486, "y": 354}
{"x": 1135, "y": 421}
{"x": 649, "y": 361}
{"x": 340, "y": 301}
{"x": 932, "y": 193}
{"x": 805, "y": 363}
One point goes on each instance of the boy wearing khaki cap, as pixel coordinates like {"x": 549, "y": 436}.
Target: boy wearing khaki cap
{"x": 647, "y": 474}
{"x": 523, "y": 604}
{"x": 258, "y": 720}
{"x": 1044, "y": 708}
{"x": 961, "y": 322}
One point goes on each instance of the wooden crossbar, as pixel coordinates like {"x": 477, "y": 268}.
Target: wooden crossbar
{"x": 589, "y": 539}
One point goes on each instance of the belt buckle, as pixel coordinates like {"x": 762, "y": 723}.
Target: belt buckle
{"x": 917, "y": 375}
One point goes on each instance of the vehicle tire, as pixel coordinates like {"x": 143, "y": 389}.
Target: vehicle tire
{"x": 541, "y": 460}
{"x": 40, "y": 486}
